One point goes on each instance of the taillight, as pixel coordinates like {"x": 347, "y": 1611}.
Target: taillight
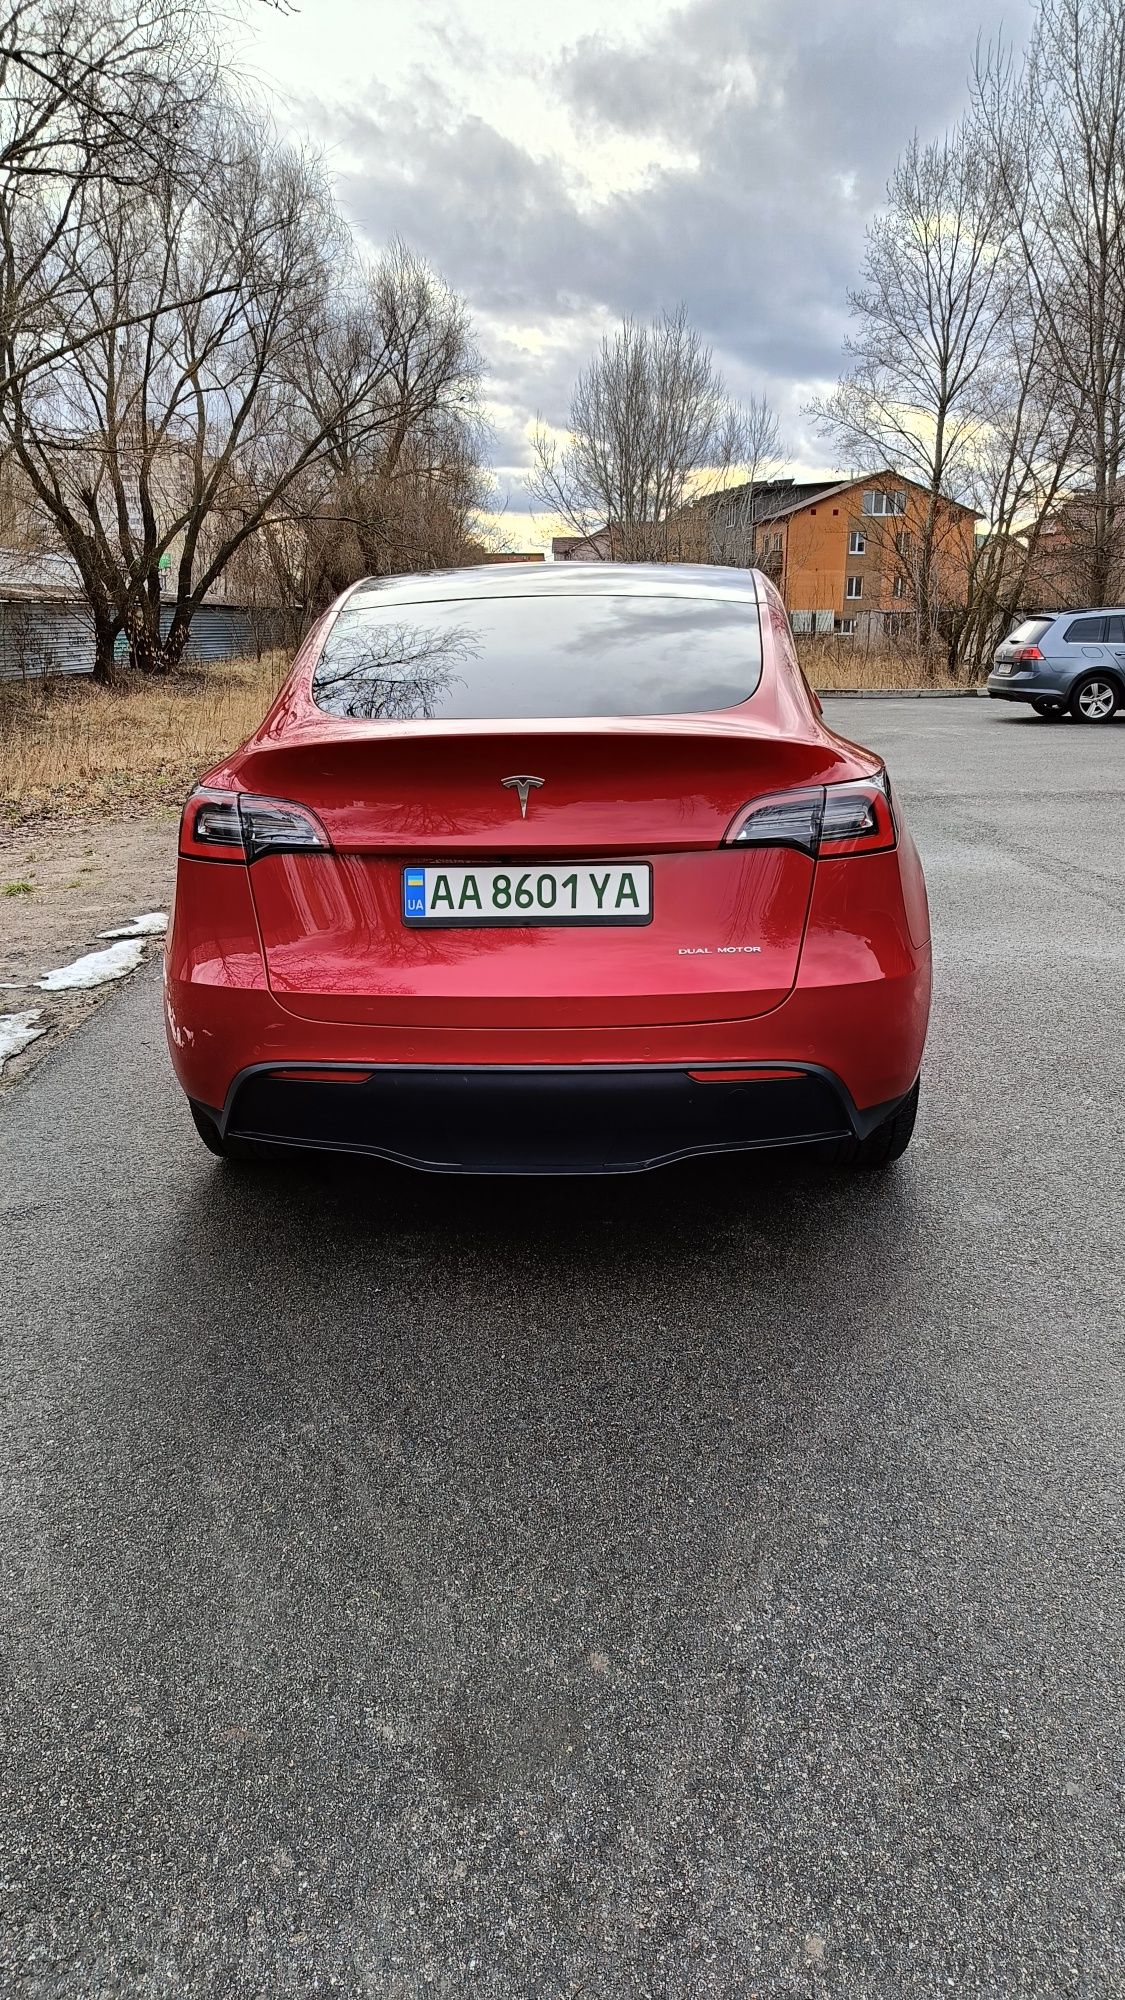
{"x": 211, "y": 827}
{"x": 1025, "y": 656}
{"x": 857, "y": 820}
{"x": 275, "y": 826}
{"x": 786, "y": 819}
{"x": 821, "y": 821}
{"x": 238, "y": 826}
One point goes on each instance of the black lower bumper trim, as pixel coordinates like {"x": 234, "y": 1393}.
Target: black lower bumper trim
{"x": 538, "y": 1121}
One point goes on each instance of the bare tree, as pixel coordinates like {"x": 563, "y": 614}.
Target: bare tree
{"x": 731, "y": 516}
{"x": 90, "y": 92}
{"x": 398, "y": 486}
{"x": 650, "y": 424}
{"x": 229, "y": 346}
{"x": 1056, "y": 125}
{"x": 939, "y": 284}
{"x": 1014, "y": 478}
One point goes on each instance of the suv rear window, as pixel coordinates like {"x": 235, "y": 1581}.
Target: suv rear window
{"x": 458, "y": 659}
{"x": 1030, "y": 632}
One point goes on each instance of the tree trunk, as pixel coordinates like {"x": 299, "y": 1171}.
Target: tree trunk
{"x": 174, "y": 645}
{"x": 142, "y": 627}
{"x": 105, "y": 633}
{"x": 150, "y": 650}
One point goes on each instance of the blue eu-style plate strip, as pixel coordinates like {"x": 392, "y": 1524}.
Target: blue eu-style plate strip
{"x": 413, "y": 893}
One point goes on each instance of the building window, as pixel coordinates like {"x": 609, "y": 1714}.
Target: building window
{"x": 729, "y": 518}
{"x": 854, "y": 587}
{"x": 857, "y": 542}
{"x": 884, "y": 503}
{"x": 902, "y": 542}
{"x": 846, "y": 627}
{"x": 898, "y": 585}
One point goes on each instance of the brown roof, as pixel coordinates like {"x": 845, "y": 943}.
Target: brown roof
{"x": 815, "y": 493}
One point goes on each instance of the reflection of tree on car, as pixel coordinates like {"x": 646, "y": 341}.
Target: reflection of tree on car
{"x": 390, "y": 673}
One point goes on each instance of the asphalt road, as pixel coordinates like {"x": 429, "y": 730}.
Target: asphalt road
{"x": 709, "y": 1584}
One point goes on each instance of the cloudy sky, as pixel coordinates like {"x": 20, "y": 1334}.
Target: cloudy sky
{"x": 563, "y": 166}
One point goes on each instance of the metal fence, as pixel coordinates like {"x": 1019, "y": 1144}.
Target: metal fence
{"x": 58, "y": 638}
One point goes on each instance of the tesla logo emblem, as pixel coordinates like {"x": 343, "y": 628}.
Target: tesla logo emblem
{"x": 523, "y": 786}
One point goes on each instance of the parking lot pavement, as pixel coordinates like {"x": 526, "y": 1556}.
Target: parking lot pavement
{"x": 707, "y": 1584}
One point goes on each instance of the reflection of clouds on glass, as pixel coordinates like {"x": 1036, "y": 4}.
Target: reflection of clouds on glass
{"x": 663, "y": 624}
{"x": 716, "y": 648}
{"x": 392, "y": 671}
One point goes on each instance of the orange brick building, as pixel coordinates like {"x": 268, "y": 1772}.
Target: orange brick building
{"x": 843, "y": 553}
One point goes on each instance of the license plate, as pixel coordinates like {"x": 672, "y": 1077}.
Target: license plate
{"x": 595, "y": 892}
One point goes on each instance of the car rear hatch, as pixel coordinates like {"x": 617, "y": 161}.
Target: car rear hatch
{"x": 1028, "y": 633}
{"x": 724, "y": 936}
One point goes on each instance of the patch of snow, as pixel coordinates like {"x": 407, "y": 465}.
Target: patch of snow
{"x": 149, "y": 925}
{"x": 96, "y": 967}
{"x": 18, "y": 1031}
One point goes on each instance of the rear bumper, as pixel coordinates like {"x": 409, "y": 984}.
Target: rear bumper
{"x": 1035, "y": 689}
{"x": 539, "y": 1120}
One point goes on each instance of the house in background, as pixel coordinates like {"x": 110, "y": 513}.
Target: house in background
{"x": 843, "y": 552}
{"x": 596, "y": 547}
{"x": 1077, "y": 560}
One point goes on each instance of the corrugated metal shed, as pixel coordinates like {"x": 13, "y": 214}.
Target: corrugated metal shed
{"x": 44, "y": 638}
{"x": 45, "y": 627}
{"x": 218, "y": 632}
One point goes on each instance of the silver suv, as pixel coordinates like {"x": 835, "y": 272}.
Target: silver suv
{"x": 1064, "y": 662}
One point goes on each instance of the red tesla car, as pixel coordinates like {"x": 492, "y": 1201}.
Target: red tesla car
{"x": 549, "y": 870}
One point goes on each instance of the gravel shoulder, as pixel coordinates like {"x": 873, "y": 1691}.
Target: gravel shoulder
{"x": 61, "y": 883}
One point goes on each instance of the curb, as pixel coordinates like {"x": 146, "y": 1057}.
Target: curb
{"x": 903, "y": 694}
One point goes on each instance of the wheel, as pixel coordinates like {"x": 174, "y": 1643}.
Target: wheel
{"x": 223, "y": 1149}
{"x": 1051, "y": 711}
{"x": 1095, "y": 699}
{"x": 887, "y": 1143}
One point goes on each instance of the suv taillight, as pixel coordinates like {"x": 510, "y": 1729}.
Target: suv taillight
{"x": 239, "y": 826}
{"x": 1025, "y": 655}
{"x": 822, "y": 820}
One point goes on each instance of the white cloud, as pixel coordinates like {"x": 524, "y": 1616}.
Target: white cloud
{"x": 565, "y": 167}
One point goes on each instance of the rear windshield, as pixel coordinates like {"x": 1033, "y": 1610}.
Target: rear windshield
{"x": 1029, "y": 633}
{"x": 457, "y": 659}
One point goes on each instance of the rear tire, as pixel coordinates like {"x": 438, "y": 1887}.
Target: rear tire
{"x": 1095, "y": 698}
{"x": 1051, "y": 711}
{"x": 887, "y": 1143}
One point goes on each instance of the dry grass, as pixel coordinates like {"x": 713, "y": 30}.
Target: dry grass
{"x": 68, "y": 747}
{"x": 843, "y": 663}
